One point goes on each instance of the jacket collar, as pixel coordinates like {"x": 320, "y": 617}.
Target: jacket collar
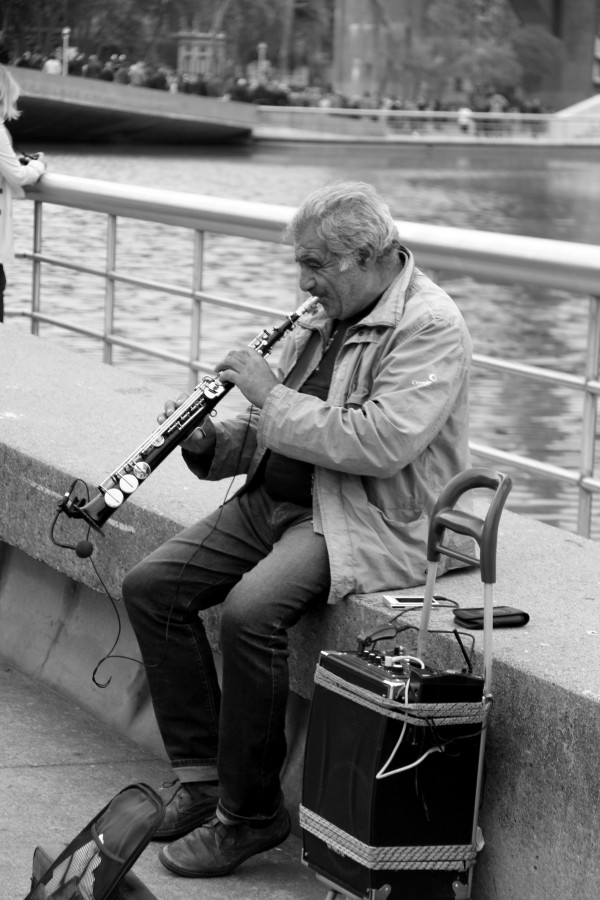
{"x": 388, "y": 311}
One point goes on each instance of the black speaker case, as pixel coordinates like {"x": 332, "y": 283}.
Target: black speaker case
{"x": 428, "y": 805}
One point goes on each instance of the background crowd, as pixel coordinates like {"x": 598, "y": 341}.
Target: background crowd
{"x": 267, "y": 90}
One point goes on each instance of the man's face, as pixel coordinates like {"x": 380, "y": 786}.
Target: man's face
{"x": 341, "y": 292}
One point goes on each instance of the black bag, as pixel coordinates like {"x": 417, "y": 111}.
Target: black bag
{"x": 502, "y": 617}
{"x": 95, "y": 864}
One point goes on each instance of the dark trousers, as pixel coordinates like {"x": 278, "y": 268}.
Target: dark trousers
{"x": 262, "y": 562}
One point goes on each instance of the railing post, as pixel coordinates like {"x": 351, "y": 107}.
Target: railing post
{"x": 109, "y": 287}
{"x": 196, "y": 323}
{"x": 589, "y": 416}
{"x": 36, "y": 269}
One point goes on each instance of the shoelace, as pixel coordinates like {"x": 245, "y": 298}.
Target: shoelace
{"x": 170, "y": 784}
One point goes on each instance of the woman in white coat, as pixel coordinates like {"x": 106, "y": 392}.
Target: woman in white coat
{"x": 13, "y": 174}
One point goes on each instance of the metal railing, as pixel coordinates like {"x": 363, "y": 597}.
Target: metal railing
{"x": 430, "y": 124}
{"x": 487, "y": 257}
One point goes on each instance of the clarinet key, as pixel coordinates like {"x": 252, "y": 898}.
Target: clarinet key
{"x": 128, "y": 484}
{"x": 113, "y": 497}
{"x": 141, "y": 470}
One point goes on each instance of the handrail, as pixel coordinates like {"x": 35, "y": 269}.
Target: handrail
{"x": 241, "y": 218}
{"x": 497, "y": 257}
{"x": 486, "y": 256}
{"x": 572, "y": 127}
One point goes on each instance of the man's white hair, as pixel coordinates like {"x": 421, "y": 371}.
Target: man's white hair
{"x": 350, "y": 217}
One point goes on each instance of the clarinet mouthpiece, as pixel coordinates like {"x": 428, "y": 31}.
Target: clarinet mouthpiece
{"x": 310, "y": 305}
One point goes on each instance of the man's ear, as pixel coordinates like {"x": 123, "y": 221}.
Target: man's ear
{"x": 366, "y": 255}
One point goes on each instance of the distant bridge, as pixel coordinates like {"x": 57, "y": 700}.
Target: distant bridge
{"x": 76, "y": 109}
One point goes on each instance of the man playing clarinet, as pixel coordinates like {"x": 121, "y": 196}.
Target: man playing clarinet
{"x": 345, "y": 451}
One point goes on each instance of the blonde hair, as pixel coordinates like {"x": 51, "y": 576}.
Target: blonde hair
{"x": 9, "y": 94}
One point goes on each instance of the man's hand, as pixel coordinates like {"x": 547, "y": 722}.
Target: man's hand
{"x": 250, "y": 372}
{"x": 202, "y": 439}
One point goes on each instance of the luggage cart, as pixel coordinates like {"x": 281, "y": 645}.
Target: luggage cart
{"x": 364, "y": 833}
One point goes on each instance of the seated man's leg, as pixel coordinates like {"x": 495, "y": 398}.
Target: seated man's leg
{"x": 261, "y": 607}
{"x": 256, "y": 616}
{"x": 163, "y": 593}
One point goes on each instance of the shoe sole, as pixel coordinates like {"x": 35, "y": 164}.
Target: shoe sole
{"x": 223, "y": 870}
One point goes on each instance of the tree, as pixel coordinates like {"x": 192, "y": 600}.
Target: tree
{"x": 284, "y": 25}
{"x": 30, "y": 24}
{"x": 143, "y": 29}
{"x": 540, "y": 55}
{"x": 126, "y": 24}
{"x": 482, "y": 42}
{"x": 494, "y": 67}
{"x": 471, "y": 39}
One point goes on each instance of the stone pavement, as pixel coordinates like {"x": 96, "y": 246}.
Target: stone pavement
{"x": 59, "y": 766}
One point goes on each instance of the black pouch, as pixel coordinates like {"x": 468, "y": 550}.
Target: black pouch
{"x": 503, "y": 617}
{"x": 95, "y": 864}
{"x": 130, "y": 888}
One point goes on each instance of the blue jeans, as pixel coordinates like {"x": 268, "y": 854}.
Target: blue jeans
{"x": 262, "y": 561}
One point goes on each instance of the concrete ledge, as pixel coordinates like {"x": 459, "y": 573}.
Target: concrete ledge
{"x": 107, "y": 111}
{"x": 62, "y": 418}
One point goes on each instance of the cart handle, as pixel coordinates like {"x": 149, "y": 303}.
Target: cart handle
{"x": 484, "y": 531}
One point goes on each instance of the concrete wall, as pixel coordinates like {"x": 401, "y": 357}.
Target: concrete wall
{"x": 62, "y": 418}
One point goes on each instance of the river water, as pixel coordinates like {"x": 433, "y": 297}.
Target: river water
{"x": 541, "y": 194}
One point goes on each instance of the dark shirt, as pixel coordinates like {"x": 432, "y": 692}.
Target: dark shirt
{"x": 290, "y": 479}
{"x": 287, "y": 479}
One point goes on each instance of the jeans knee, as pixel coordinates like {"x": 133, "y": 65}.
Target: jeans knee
{"x": 236, "y": 622}
{"x": 135, "y": 586}
{"x": 246, "y": 626}
{"x": 231, "y": 622}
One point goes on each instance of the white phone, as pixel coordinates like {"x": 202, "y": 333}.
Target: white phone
{"x": 409, "y": 602}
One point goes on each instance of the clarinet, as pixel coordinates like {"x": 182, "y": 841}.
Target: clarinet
{"x": 126, "y": 479}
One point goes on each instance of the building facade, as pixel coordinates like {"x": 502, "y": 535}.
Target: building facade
{"x": 201, "y": 54}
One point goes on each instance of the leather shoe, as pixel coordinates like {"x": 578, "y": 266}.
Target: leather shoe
{"x": 191, "y": 804}
{"x": 217, "y": 849}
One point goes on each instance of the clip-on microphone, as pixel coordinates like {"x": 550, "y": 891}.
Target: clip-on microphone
{"x": 83, "y": 549}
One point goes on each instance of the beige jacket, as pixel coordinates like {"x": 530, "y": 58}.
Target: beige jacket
{"x": 392, "y": 433}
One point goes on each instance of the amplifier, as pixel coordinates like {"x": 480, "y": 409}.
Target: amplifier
{"x": 370, "y": 671}
{"x": 351, "y": 739}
